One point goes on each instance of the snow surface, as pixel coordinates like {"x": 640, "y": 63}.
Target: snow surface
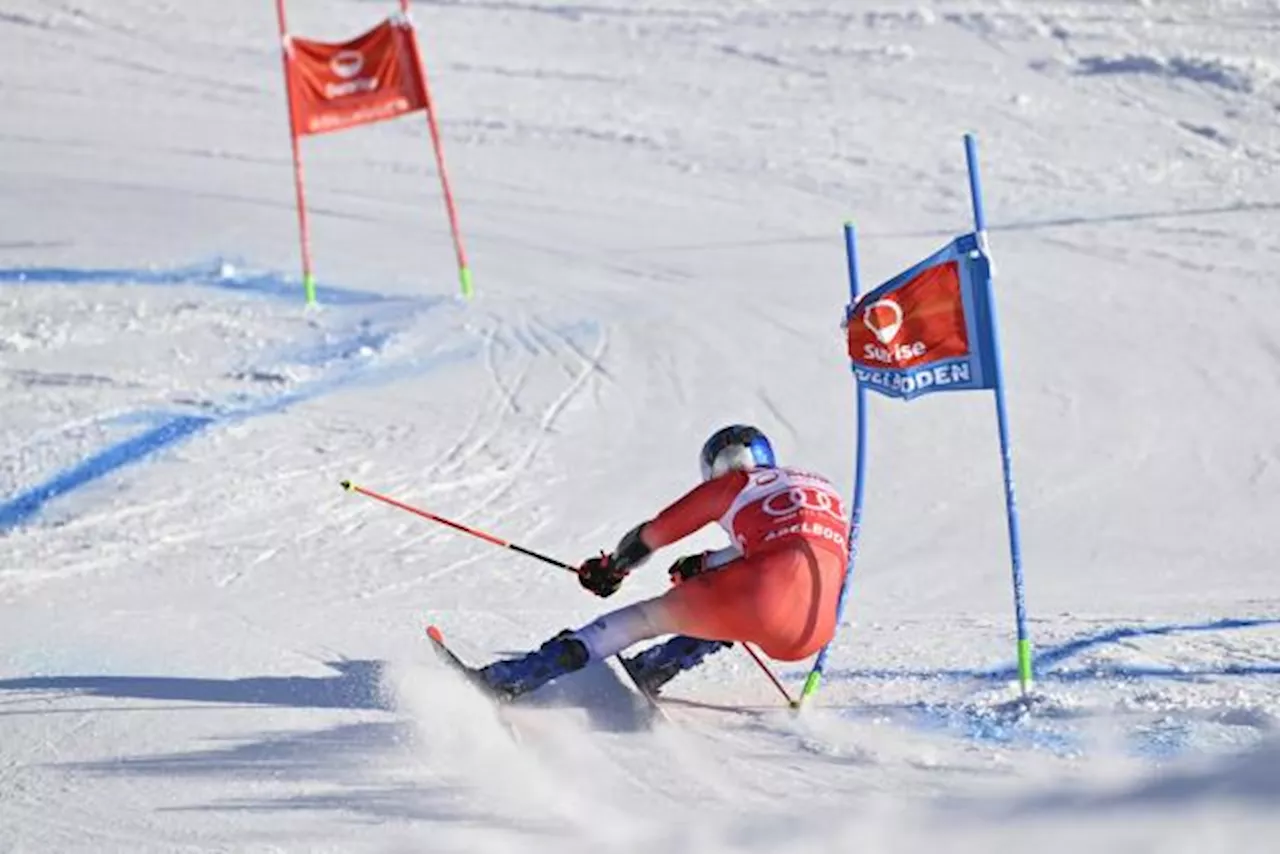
{"x": 207, "y": 645}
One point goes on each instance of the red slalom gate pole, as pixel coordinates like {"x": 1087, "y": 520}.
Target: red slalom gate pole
{"x": 464, "y": 271}
{"x": 498, "y": 541}
{"x": 299, "y": 180}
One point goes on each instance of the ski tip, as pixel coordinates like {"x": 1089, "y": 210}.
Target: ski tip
{"x": 435, "y": 634}
{"x": 346, "y": 484}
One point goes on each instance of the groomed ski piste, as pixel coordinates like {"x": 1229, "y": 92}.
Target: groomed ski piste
{"x": 206, "y": 645}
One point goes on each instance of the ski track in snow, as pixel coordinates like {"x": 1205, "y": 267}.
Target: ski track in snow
{"x": 209, "y": 646}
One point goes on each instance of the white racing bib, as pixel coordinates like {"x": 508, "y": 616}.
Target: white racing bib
{"x": 780, "y": 505}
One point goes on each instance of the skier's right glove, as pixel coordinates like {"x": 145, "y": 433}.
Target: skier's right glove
{"x": 601, "y": 575}
{"x": 604, "y": 575}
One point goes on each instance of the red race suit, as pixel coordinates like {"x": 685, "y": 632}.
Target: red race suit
{"x": 791, "y": 530}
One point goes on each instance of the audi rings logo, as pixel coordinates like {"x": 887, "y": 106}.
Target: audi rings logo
{"x": 797, "y": 498}
{"x": 347, "y": 63}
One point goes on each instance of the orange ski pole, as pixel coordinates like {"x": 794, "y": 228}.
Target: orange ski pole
{"x": 457, "y": 526}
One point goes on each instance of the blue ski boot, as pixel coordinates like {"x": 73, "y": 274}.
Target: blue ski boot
{"x": 512, "y": 677}
{"x": 658, "y": 665}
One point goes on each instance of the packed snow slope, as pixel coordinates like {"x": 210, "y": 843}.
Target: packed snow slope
{"x": 206, "y": 645}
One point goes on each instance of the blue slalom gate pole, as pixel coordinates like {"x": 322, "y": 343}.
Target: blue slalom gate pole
{"x": 1025, "y": 674}
{"x": 814, "y": 678}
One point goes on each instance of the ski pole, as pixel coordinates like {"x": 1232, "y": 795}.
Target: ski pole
{"x": 498, "y": 541}
{"x": 457, "y": 526}
{"x": 755, "y": 656}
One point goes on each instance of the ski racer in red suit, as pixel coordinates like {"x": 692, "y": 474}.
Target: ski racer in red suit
{"x": 776, "y": 586}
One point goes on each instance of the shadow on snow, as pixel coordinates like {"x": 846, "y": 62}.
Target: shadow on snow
{"x": 356, "y": 685}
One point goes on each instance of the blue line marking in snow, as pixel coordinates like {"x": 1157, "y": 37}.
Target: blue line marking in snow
{"x": 1054, "y": 655}
{"x": 180, "y": 427}
{"x": 993, "y": 726}
{"x": 1009, "y": 724}
{"x": 165, "y": 429}
{"x": 219, "y": 273}
{"x": 26, "y": 504}
{"x": 1161, "y": 739}
{"x": 365, "y": 379}
{"x": 341, "y": 349}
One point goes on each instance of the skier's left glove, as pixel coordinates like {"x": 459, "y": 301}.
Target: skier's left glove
{"x": 687, "y": 567}
{"x": 601, "y": 575}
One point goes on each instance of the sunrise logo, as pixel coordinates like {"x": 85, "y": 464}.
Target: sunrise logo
{"x": 884, "y": 319}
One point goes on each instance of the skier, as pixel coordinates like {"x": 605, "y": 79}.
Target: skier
{"x": 776, "y": 586}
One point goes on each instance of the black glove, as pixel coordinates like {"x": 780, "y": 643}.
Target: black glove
{"x": 601, "y": 575}
{"x": 687, "y": 567}
{"x": 604, "y": 575}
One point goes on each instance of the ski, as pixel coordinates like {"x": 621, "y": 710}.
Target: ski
{"x": 655, "y": 705}
{"x": 450, "y": 658}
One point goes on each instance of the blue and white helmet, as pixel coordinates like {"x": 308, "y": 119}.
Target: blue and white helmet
{"x": 738, "y": 447}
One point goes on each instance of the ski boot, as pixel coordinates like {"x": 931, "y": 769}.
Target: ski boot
{"x": 512, "y": 677}
{"x": 659, "y": 664}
